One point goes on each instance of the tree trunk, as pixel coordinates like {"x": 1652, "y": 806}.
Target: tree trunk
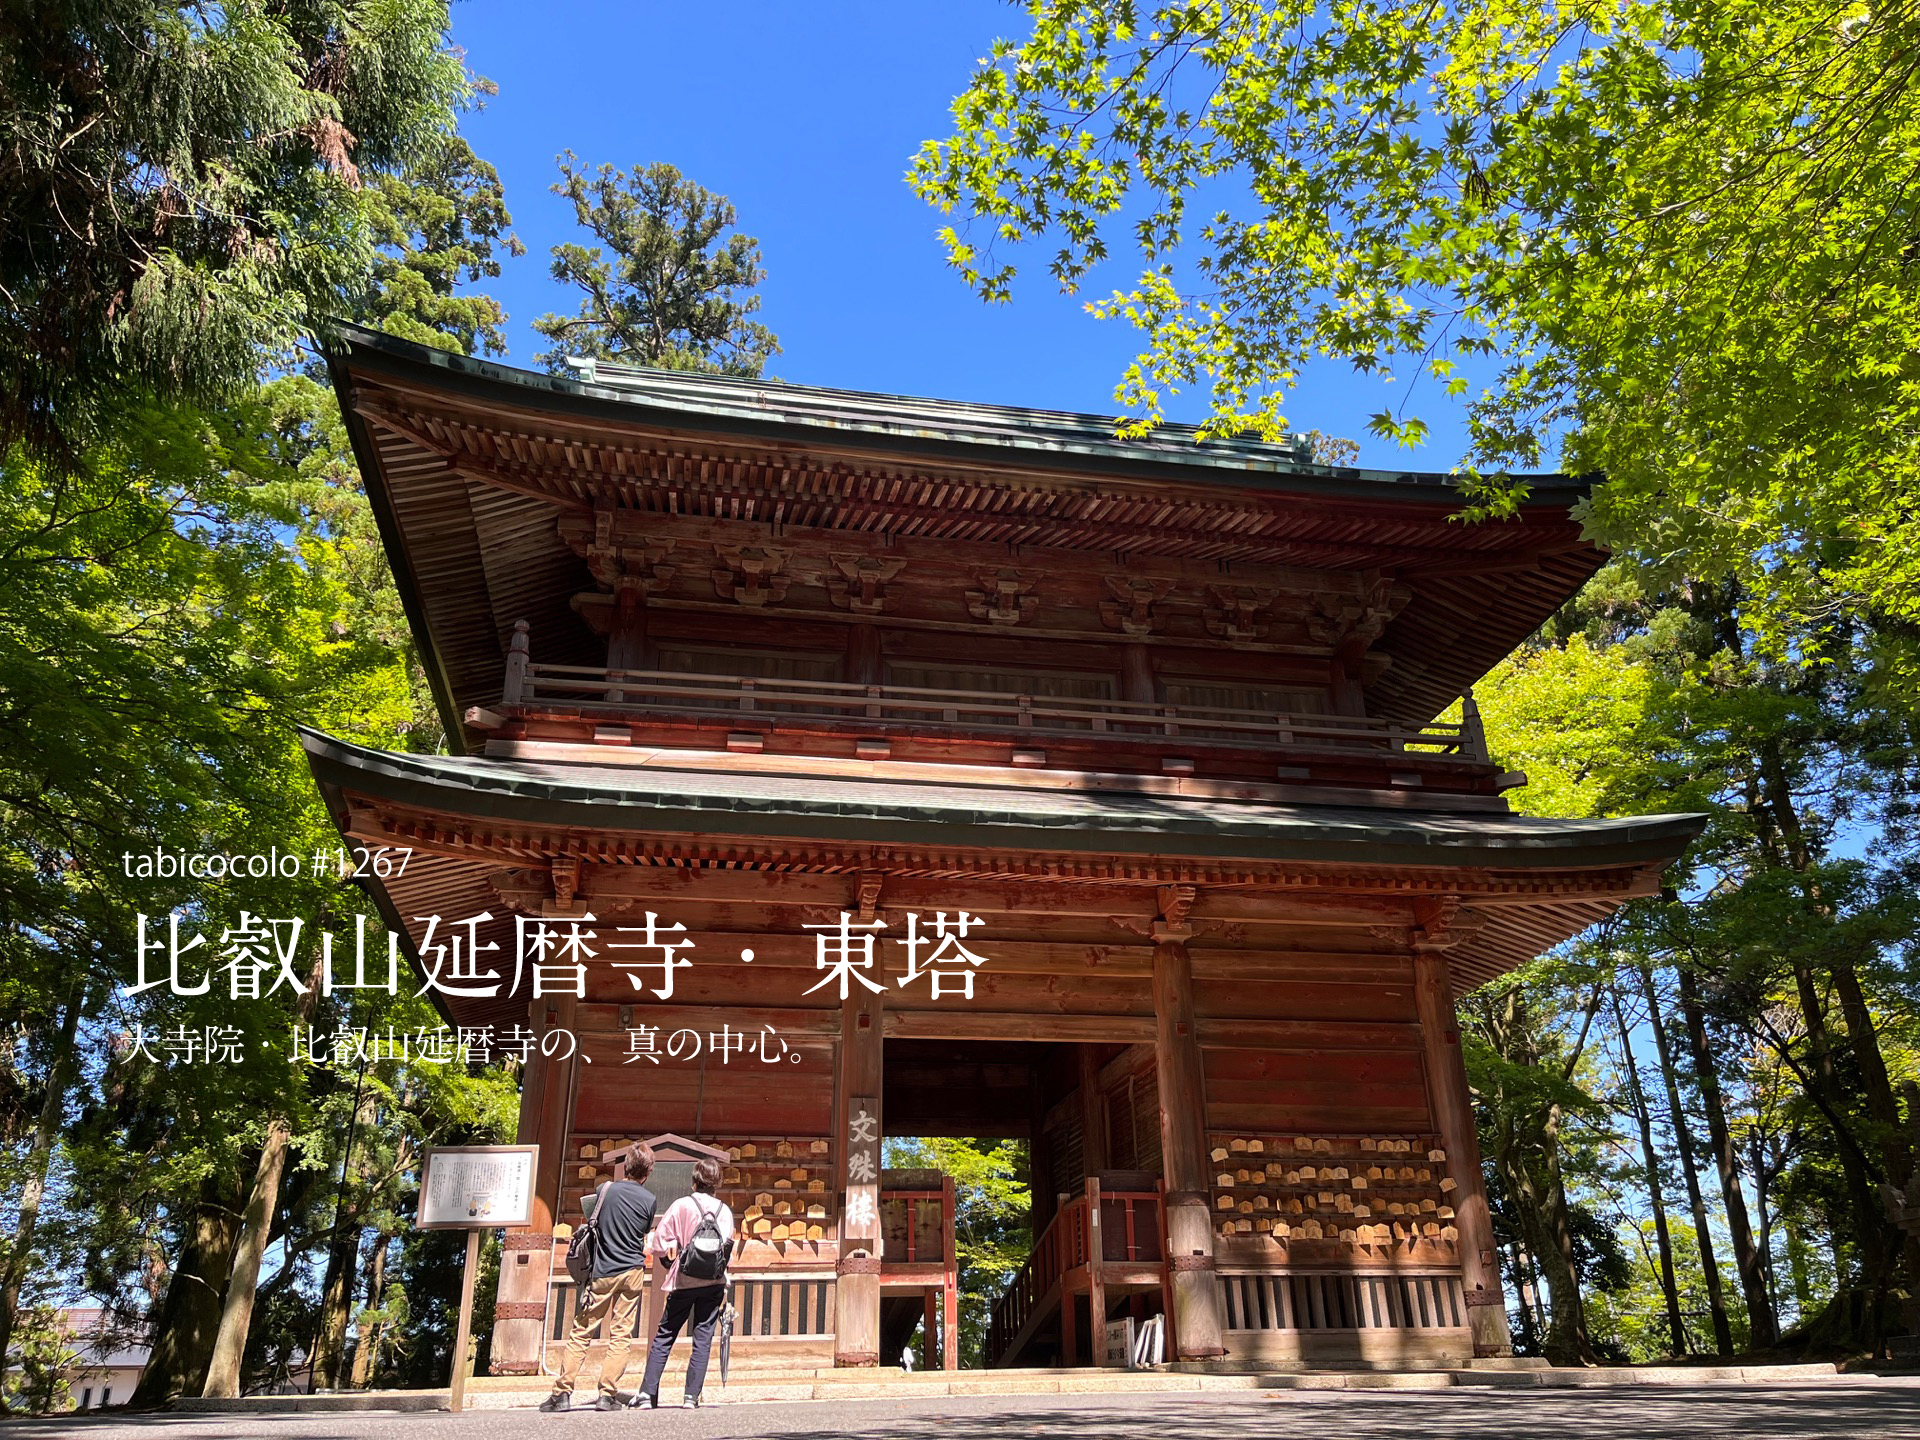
{"x": 1875, "y": 1086}
{"x": 343, "y": 1254}
{"x": 335, "y": 1304}
{"x": 1716, "y": 1294}
{"x": 366, "y": 1354}
{"x": 1531, "y": 1332}
{"x": 1869, "y": 1220}
{"x": 1891, "y": 1134}
{"x": 236, "y": 1314}
{"x": 1565, "y": 1341}
{"x": 1570, "y": 1319}
{"x": 183, "y": 1335}
{"x": 1763, "y": 1329}
{"x": 1543, "y": 1218}
{"x": 33, "y": 1189}
{"x": 1877, "y": 1244}
{"x": 1669, "y": 1290}
{"x": 1797, "y": 1273}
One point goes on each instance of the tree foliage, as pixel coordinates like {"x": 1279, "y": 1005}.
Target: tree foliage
{"x": 182, "y": 188}
{"x": 667, "y": 286}
{"x": 1767, "y": 998}
{"x": 1678, "y": 235}
{"x": 992, "y": 1222}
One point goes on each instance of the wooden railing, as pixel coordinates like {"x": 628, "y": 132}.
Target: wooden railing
{"x": 1062, "y": 1246}
{"x": 916, "y": 1204}
{"x": 599, "y": 690}
{"x": 1132, "y": 1230}
{"x": 1309, "y": 1300}
{"x": 1132, "y": 1225}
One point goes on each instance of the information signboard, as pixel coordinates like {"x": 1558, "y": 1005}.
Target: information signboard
{"x": 474, "y": 1188}
{"x": 469, "y": 1187}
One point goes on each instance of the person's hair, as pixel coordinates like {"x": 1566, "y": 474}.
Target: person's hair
{"x": 706, "y": 1175}
{"x": 639, "y": 1163}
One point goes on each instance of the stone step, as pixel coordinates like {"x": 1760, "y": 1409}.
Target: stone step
{"x": 503, "y": 1392}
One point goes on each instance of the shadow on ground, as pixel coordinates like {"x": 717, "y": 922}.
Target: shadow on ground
{"x": 1864, "y": 1408}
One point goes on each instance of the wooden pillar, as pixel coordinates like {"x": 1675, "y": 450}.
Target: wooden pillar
{"x": 1183, "y": 1134}
{"x": 1093, "y": 1112}
{"x": 1453, "y": 1121}
{"x": 627, "y": 637}
{"x": 1136, "y": 674}
{"x": 1042, "y": 1184}
{"x": 930, "y": 1329}
{"x": 1096, "y": 1282}
{"x": 526, "y": 1257}
{"x": 1349, "y": 696}
{"x": 864, "y": 665}
{"x": 857, "y": 1083}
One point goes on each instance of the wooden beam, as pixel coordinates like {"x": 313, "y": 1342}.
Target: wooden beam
{"x": 981, "y": 1025}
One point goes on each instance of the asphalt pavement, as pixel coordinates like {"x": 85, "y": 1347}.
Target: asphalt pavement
{"x": 1847, "y": 1406}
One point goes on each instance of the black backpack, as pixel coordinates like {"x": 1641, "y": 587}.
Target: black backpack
{"x": 705, "y": 1255}
{"x": 585, "y": 1241}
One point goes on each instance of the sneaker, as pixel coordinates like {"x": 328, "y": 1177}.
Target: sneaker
{"x": 556, "y": 1402}
{"x": 609, "y": 1402}
{"x": 643, "y": 1401}
{"x": 692, "y": 1402}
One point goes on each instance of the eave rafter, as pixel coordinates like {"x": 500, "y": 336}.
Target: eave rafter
{"x": 642, "y": 475}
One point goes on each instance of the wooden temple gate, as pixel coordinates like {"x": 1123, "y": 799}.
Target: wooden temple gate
{"x": 1123, "y": 759}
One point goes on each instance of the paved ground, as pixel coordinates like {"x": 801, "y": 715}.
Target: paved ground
{"x": 1849, "y": 1406}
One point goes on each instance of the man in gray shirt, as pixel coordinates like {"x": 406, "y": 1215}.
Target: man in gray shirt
{"x": 622, "y": 1216}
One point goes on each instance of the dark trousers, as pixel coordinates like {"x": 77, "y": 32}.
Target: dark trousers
{"x": 701, "y": 1303}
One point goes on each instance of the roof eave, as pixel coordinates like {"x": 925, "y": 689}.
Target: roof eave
{"x": 355, "y": 346}
{"x": 341, "y": 766}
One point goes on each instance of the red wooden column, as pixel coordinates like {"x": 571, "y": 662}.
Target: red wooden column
{"x": 1183, "y": 1134}
{"x": 1453, "y": 1121}
{"x": 526, "y": 1259}
{"x": 856, "y": 1108}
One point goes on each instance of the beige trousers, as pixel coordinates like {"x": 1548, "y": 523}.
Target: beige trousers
{"x": 620, "y": 1295}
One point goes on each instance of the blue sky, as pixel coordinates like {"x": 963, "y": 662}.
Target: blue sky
{"x": 805, "y": 116}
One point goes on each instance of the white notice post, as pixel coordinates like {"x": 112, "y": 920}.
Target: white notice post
{"x": 474, "y": 1188}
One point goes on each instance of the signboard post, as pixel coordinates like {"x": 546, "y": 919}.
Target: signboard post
{"x": 474, "y": 1188}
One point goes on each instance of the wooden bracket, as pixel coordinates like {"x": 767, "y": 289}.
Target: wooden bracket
{"x": 1356, "y": 620}
{"x": 866, "y": 895}
{"x": 1434, "y": 918}
{"x": 1175, "y": 902}
{"x": 1004, "y": 598}
{"x": 1238, "y": 612}
{"x": 566, "y": 879}
{"x": 618, "y": 565}
{"x": 860, "y": 584}
{"x": 1132, "y": 608}
{"x": 751, "y": 574}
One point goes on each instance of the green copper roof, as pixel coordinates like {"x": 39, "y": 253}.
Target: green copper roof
{"x": 899, "y": 812}
{"x": 872, "y": 419}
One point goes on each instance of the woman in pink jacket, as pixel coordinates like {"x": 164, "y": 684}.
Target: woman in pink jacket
{"x": 700, "y": 1217}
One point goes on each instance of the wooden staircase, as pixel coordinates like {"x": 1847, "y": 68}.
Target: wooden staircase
{"x": 1104, "y": 1243}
